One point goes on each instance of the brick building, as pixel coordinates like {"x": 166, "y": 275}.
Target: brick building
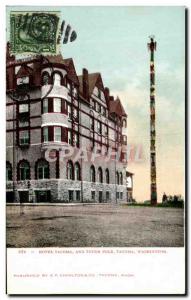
{"x": 57, "y": 111}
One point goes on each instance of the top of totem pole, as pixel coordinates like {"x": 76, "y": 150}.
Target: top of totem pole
{"x": 152, "y": 45}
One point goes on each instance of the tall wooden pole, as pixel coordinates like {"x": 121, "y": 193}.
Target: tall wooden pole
{"x": 152, "y": 48}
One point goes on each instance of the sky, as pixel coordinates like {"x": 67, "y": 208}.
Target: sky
{"x": 113, "y": 41}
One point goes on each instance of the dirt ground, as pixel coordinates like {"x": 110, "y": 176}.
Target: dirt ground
{"x": 94, "y": 226}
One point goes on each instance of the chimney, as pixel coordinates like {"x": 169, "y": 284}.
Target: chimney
{"x": 107, "y": 93}
{"x": 111, "y": 98}
{"x": 85, "y": 83}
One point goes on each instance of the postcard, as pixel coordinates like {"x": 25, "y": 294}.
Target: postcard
{"x": 95, "y": 150}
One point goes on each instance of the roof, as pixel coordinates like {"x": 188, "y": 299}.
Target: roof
{"x": 92, "y": 79}
{"x": 54, "y": 58}
{"x": 67, "y": 63}
{"x": 24, "y": 71}
{"x": 116, "y": 107}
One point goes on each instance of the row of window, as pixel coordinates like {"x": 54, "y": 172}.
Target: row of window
{"x": 99, "y": 108}
{"x": 73, "y": 172}
{"x": 55, "y": 134}
{"x": 59, "y": 105}
{"x": 54, "y": 105}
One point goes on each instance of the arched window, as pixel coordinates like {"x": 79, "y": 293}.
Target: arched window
{"x": 117, "y": 178}
{"x": 45, "y": 78}
{"x": 124, "y": 123}
{"x": 121, "y": 178}
{"x": 23, "y": 170}
{"x": 42, "y": 169}
{"x": 107, "y": 176}
{"x": 92, "y": 174}
{"x": 100, "y": 175}
{"x": 8, "y": 171}
{"x": 70, "y": 170}
{"x": 77, "y": 171}
{"x": 57, "y": 79}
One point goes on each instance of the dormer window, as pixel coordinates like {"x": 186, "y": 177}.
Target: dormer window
{"x": 45, "y": 79}
{"x": 23, "y": 80}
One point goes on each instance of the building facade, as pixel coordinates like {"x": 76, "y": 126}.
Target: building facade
{"x": 63, "y": 132}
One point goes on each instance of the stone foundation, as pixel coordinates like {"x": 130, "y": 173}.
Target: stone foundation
{"x": 63, "y": 190}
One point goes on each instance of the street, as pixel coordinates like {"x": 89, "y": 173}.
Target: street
{"x": 94, "y": 226}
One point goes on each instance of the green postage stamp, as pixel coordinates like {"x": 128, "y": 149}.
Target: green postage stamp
{"x": 34, "y": 32}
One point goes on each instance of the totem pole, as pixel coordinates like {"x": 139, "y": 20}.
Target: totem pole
{"x": 152, "y": 48}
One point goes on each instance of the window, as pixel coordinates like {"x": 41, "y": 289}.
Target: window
{"x": 124, "y": 138}
{"x": 57, "y": 79}
{"x": 71, "y": 195}
{"x": 69, "y": 112}
{"x": 117, "y": 178}
{"x": 24, "y": 137}
{"x": 8, "y": 171}
{"x": 100, "y": 196}
{"x": 24, "y": 170}
{"x": 70, "y": 137}
{"x": 121, "y": 195}
{"x": 100, "y": 175}
{"x": 23, "y": 108}
{"x": 42, "y": 169}
{"x": 23, "y": 80}
{"x": 107, "y": 196}
{"x": 78, "y": 196}
{"x": 23, "y": 123}
{"x": 121, "y": 178}
{"x": 76, "y": 139}
{"x": 69, "y": 86}
{"x": 93, "y": 195}
{"x": 117, "y": 195}
{"x": 102, "y": 95}
{"x": 70, "y": 171}
{"x": 99, "y": 127}
{"x": 57, "y": 105}
{"x": 107, "y": 176}
{"x": 45, "y": 106}
{"x": 57, "y": 134}
{"x": 77, "y": 171}
{"x": 98, "y": 107}
{"x": 124, "y": 123}
{"x": 91, "y": 123}
{"x": 45, "y": 134}
{"x": 75, "y": 114}
{"x": 45, "y": 79}
{"x": 75, "y": 92}
{"x": 104, "y": 111}
{"x": 106, "y": 130}
{"x": 92, "y": 174}
{"x": 95, "y": 91}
